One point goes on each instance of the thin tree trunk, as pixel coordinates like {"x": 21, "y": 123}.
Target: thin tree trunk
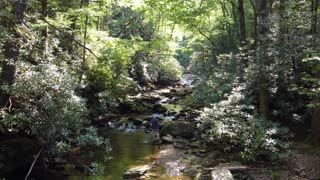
{"x": 315, "y": 121}
{"x": 263, "y": 82}
{"x": 255, "y": 24}
{"x": 243, "y": 34}
{"x": 282, "y": 21}
{"x": 73, "y": 28}
{"x": 83, "y": 64}
{"x": 314, "y": 20}
{"x": 11, "y": 53}
{"x": 44, "y": 31}
{"x": 235, "y": 19}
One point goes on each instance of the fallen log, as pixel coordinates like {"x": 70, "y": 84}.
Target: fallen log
{"x": 230, "y": 168}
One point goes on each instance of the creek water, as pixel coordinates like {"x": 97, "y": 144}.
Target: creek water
{"x": 128, "y": 149}
{"x": 131, "y": 147}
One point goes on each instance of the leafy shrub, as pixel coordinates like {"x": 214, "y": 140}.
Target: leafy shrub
{"x": 97, "y": 170}
{"x": 90, "y": 137}
{"x": 230, "y": 122}
{"x": 216, "y": 77}
{"x": 169, "y": 69}
{"x": 45, "y": 102}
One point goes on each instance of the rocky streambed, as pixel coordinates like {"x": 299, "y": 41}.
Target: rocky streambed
{"x": 135, "y": 153}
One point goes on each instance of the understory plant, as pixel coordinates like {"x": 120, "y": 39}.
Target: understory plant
{"x": 230, "y": 122}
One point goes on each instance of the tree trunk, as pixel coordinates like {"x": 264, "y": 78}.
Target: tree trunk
{"x": 315, "y": 121}
{"x": 263, "y": 31}
{"x": 314, "y": 20}
{"x": 282, "y": 21}
{"x": 235, "y": 19}
{"x": 243, "y": 34}
{"x": 255, "y": 24}
{"x": 83, "y": 64}
{"x": 44, "y": 31}
{"x": 11, "y": 53}
{"x": 315, "y": 125}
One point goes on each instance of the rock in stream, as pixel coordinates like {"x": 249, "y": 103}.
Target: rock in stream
{"x": 136, "y": 172}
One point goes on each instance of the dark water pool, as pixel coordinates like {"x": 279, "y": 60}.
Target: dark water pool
{"x": 128, "y": 149}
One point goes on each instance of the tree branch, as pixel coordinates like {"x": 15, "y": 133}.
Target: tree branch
{"x": 253, "y": 6}
{"x": 203, "y": 34}
{"x": 230, "y": 1}
{"x": 125, "y": 26}
{"x": 70, "y": 37}
{"x": 33, "y": 163}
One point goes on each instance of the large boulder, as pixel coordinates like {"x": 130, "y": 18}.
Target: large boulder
{"x": 16, "y": 154}
{"x": 125, "y": 107}
{"x": 221, "y": 174}
{"x": 167, "y": 138}
{"x": 178, "y": 128}
{"x": 145, "y": 73}
{"x": 181, "y": 143}
{"x": 158, "y": 108}
{"x": 135, "y": 121}
{"x": 136, "y": 172}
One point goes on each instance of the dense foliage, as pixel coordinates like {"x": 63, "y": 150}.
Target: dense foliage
{"x": 66, "y": 62}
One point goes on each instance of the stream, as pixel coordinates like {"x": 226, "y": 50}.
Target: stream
{"x": 132, "y": 145}
{"x": 128, "y": 149}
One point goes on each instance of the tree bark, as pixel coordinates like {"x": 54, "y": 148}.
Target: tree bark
{"x": 11, "y": 53}
{"x": 44, "y": 31}
{"x": 263, "y": 31}
{"x": 315, "y": 120}
{"x": 243, "y": 34}
{"x": 255, "y": 24}
{"x": 314, "y": 20}
{"x": 83, "y": 64}
{"x": 282, "y": 21}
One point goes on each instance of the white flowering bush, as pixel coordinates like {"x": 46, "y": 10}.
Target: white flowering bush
{"x": 47, "y": 106}
{"x": 45, "y": 102}
{"x": 230, "y": 122}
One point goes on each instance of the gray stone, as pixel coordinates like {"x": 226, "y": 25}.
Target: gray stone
{"x": 136, "y": 172}
{"x": 146, "y": 124}
{"x": 181, "y": 143}
{"x": 167, "y": 138}
{"x": 221, "y": 174}
{"x": 196, "y": 144}
{"x": 178, "y": 128}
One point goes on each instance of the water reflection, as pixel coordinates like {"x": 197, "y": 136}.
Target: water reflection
{"x": 128, "y": 149}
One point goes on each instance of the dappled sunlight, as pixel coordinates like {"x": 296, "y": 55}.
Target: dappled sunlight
{"x": 159, "y": 89}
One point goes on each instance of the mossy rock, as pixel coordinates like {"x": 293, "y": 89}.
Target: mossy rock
{"x": 178, "y": 128}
